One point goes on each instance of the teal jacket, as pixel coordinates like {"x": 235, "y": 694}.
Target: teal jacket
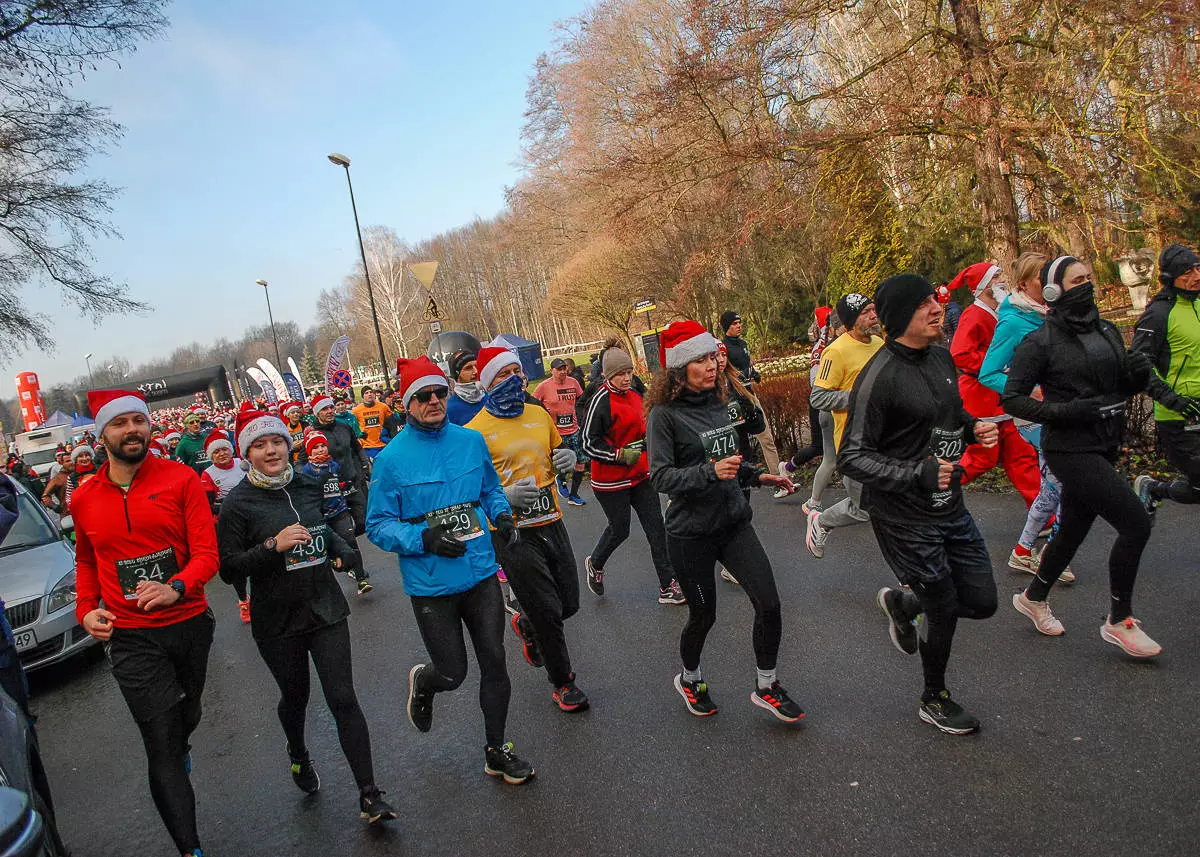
{"x": 420, "y": 472}
{"x": 1013, "y": 325}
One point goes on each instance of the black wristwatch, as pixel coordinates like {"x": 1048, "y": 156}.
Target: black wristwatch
{"x": 270, "y": 543}
{"x": 179, "y": 586}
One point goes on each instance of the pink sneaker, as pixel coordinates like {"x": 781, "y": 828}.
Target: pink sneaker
{"x": 1039, "y": 612}
{"x": 1128, "y": 634}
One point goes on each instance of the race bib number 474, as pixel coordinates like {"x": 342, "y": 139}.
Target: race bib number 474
{"x": 157, "y": 567}
{"x": 719, "y": 442}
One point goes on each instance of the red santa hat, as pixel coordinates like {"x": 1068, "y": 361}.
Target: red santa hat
{"x": 312, "y": 438}
{"x": 320, "y": 402}
{"x": 685, "y": 341}
{"x": 216, "y": 440}
{"x": 287, "y": 407}
{"x": 251, "y": 425}
{"x": 822, "y": 313}
{"x": 107, "y": 405}
{"x": 159, "y": 449}
{"x": 173, "y": 434}
{"x": 976, "y": 277}
{"x": 422, "y": 372}
{"x": 489, "y": 363}
{"x": 82, "y": 449}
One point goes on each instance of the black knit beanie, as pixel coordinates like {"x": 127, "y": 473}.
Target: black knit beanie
{"x": 458, "y": 360}
{"x": 850, "y": 307}
{"x": 897, "y": 299}
{"x": 727, "y": 320}
{"x": 1175, "y": 261}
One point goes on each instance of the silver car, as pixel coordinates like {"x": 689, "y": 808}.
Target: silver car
{"x": 37, "y": 583}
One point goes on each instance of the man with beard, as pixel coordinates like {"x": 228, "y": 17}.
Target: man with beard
{"x": 146, "y": 546}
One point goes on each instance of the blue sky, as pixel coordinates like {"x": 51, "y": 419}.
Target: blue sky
{"x": 227, "y": 123}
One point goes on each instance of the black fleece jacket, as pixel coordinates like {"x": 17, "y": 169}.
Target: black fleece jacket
{"x": 684, "y": 438}
{"x": 905, "y": 413}
{"x": 287, "y": 601}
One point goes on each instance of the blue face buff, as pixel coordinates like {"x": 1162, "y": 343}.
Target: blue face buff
{"x": 506, "y": 399}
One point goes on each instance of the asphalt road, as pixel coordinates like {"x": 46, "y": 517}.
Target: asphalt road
{"x": 1083, "y": 751}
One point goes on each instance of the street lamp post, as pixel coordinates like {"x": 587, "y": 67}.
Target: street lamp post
{"x": 267, "y": 292}
{"x": 342, "y": 161}
{"x": 87, "y": 358}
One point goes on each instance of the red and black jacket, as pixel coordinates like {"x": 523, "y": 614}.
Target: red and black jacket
{"x": 165, "y": 519}
{"x": 614, "y": 419}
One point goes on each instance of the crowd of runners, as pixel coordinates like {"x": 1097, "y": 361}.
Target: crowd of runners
{"x": 464, "y": 475}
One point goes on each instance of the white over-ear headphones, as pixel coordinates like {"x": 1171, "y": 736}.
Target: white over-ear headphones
{"x": 1052, "y": 291}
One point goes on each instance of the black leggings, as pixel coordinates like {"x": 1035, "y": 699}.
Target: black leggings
{"x": 441, "y": 619}
{"x": 814, "y": 448}
{"x": 643, "y": 499}
{"x": 695, "y": 563}
{"x": 1091, "y": 488}
{"x": 166, "y": 740}
{"x": 240, "y": 585}
{"x": 287, "y": 659}
{"x": 1182, "y": 449}
{"x": 343, "y": 525}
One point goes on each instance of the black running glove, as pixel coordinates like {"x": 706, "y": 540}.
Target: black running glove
{"x": 507, "y": 529}
{"x": 927, "y": 474}
{"x": 1191, "y": 410}
{"x": 438, "y": 541}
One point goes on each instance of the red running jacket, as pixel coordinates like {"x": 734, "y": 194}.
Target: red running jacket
{"x": 974, "y": 334}
{"x": 160, "y": 529}
{"x": 613, "y": 420}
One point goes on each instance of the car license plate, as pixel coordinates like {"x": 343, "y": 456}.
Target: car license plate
{"x": 25, "y": 640}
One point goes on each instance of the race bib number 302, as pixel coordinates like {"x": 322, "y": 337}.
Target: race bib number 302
{"x": 460, "y": 520}
{"x": 157, "y": 567}
{"x": 719, "y": 442}
{"x": 310, "y": 553}
{"x": 541, "y": 511}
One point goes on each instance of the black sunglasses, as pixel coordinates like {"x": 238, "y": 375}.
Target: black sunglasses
{"x": 425, "y": 395}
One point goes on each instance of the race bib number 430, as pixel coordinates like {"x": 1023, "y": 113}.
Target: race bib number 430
{"x": 719, "y": 442}
{"x": 310, "y": 553}
{"x": 157, "y": 567}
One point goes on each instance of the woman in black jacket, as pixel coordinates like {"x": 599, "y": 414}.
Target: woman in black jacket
{"x": 1080, "y": 362}
{"x": 272, "y": 530}
{"x": 695, "y": 460}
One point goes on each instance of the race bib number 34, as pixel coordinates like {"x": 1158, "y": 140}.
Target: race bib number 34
{"x": 540, "y": 511}
{"x": 460, "y": 520}
{"x": 313, "y": 552}
{"x": 158, "y": 567}
{"x": 719, "y": 442}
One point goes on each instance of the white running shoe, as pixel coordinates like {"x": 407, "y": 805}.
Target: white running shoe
{"x": 1128, "y": 634}
{"x": 1030, "y": 564}
{"x": 815, "y": 535}
{"x": 1039, "y": 612}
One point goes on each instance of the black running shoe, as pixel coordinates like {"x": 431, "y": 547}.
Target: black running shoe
{"x": 523, "y": 628}
{"x": 569, "y": 697}
{"x": 1145, "y": 486}
{"x": 304, "y": 774}
{"x": 503, "y": 762}
{"x": 943, "y": 712}
{"x": 595, "y": 576}
{"x": 695, "y": 696}
{"x": 776, "y": 700}
{"x": 902, "y": 631}
{"x": 373, "y": 807}
{"x": 420, "y": 702}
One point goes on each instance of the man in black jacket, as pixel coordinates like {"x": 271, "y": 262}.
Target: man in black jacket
{"x": 352, "y": 462}
{"x": 1169, "y": 334}
{"x": 906, "y": 433}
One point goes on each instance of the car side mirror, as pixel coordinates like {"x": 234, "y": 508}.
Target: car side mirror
{"x": 66, "y": 524}
{"x": 21, "y": 829}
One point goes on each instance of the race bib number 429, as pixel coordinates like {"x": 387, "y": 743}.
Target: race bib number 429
{"x": 460, "y": 520}
{"x": 157, "y": 567}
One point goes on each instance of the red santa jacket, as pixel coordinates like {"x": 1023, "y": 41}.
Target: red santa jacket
{"x": 976, "y": 327}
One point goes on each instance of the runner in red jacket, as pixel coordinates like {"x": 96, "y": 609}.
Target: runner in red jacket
{"x": 145, "y": 548}
{"x": 971, "y": 340}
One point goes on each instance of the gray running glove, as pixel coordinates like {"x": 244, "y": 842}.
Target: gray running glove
{"x": 563, "y": 459}
{"x": 521, "y": 495}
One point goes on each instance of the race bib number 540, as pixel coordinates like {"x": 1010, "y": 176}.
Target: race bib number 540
{"x": 539, "y": 512}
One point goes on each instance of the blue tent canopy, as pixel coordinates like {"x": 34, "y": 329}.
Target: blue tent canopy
{"x": 529, "y": 352}
{"x": 82, "y": 421}
{"x": 58, "y": 418}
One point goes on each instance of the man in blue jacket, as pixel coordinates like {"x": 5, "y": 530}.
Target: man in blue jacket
{"x": 433, "y": 491}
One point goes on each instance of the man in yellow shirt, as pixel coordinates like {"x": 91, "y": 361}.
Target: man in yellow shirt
{"x": 841, "y": 362}
{"x": 527, "y": 451}
{"x": 370, "y": 415}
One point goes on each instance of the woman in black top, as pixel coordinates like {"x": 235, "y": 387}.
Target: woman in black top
{"x": 271, "y": 530}
{"x": 695, "y": 460}
{"x": 1080, "y": 362}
